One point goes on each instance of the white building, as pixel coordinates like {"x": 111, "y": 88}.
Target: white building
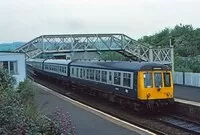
{"x": 15, "y": 64}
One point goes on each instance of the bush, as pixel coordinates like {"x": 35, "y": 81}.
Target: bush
{"x": 19, "y": 114}
{"x": 62, "y": 123}
{"x": 6, "y": 81}
{"x": 25, "y": 89}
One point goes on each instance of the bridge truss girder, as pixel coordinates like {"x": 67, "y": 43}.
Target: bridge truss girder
{"x": 96, "y": 42}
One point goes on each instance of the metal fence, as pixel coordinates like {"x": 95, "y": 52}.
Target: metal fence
{"x": 187, "y": 78}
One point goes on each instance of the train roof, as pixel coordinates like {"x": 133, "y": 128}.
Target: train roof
{"x": 35, "y": 60}
{"x": 58, "y": 61}
{"x": 51, "y": 61}
{"x": 122, "y": 65}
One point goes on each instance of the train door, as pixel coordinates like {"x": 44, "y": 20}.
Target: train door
{"x": 145, "y": 85}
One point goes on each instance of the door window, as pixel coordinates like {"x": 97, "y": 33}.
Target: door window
{"x": 148, "y": 83}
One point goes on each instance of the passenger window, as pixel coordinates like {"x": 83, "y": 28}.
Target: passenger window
{"x": 55, "y": 68}
{"x": 97, "y": 75}
{"x": 110, "y": 77}
{"x": 167, "y": 80}
{"x": 158, "y": 79}
{"x": 148, "y": 83}
{"x": 81, "y": 73}
{"x": 88, "y": 73}
{"x": 91, "y": 74}
{"x": 127, "y": 79}
{"x": 72, "y": 71}
{"x": 117, "y": 78}
{"x": 84, "y": 73}
{"x": 104, "y": 76}
{"x": 77, "y": 73}
{"x": 64, "y": 69}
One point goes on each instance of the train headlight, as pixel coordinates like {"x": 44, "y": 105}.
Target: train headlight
{"x": 168, "y": 94}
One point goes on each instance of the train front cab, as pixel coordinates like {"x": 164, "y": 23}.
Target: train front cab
{"x": 156, "y": 87}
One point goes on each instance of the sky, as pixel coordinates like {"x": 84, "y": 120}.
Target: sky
{"x": 23, "y": 20}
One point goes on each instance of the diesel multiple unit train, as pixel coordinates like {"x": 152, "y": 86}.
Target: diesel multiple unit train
{"x": 138, "y": 84}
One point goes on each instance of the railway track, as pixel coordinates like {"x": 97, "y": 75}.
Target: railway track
{"x": 151, "y": 124}
{"x": 182, "y": 123}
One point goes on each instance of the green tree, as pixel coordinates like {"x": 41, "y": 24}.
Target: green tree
{"x": 115, "y": 56}
{"x": 186, "y": 41}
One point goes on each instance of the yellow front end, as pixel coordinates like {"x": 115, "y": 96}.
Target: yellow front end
{"x": 155, "y": 85}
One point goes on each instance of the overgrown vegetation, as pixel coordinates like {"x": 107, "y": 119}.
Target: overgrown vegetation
{"x": 186, "y": 41}
{"x": 112, "y": 55}
{"x": 19, "y": 114}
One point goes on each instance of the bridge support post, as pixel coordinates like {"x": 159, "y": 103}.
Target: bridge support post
{"x": 150, "y": 54}
{"x": 172, "y": 58}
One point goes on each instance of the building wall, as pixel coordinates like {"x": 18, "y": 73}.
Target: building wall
{"x": 21, "y": 66}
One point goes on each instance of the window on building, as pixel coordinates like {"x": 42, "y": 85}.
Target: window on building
{"x": 127, "y": 79}
{"x": 10, "y": 66}
{"x": 5, "y": 65}
{"x": 117, "y": 78}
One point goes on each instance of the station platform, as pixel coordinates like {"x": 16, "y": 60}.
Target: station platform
{"x": 86, "y": 120}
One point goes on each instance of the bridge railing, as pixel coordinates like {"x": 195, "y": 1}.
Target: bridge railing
{"x": 95, "y": 43}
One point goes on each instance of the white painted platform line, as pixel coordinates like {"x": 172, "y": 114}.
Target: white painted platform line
{"x": 187, "y": 102}
{"x": 99, "y": 113}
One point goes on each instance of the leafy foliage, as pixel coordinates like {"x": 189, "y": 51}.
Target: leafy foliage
{"x": 12, "y": 113}
{"x": 186, "y": 41}
{"x": 62, "y": 122}
{"x": 112, "y": 56}
{"x": 19, "y": 114}
{"x": 6, "y": 81}
{"x": 25, "y": 89}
